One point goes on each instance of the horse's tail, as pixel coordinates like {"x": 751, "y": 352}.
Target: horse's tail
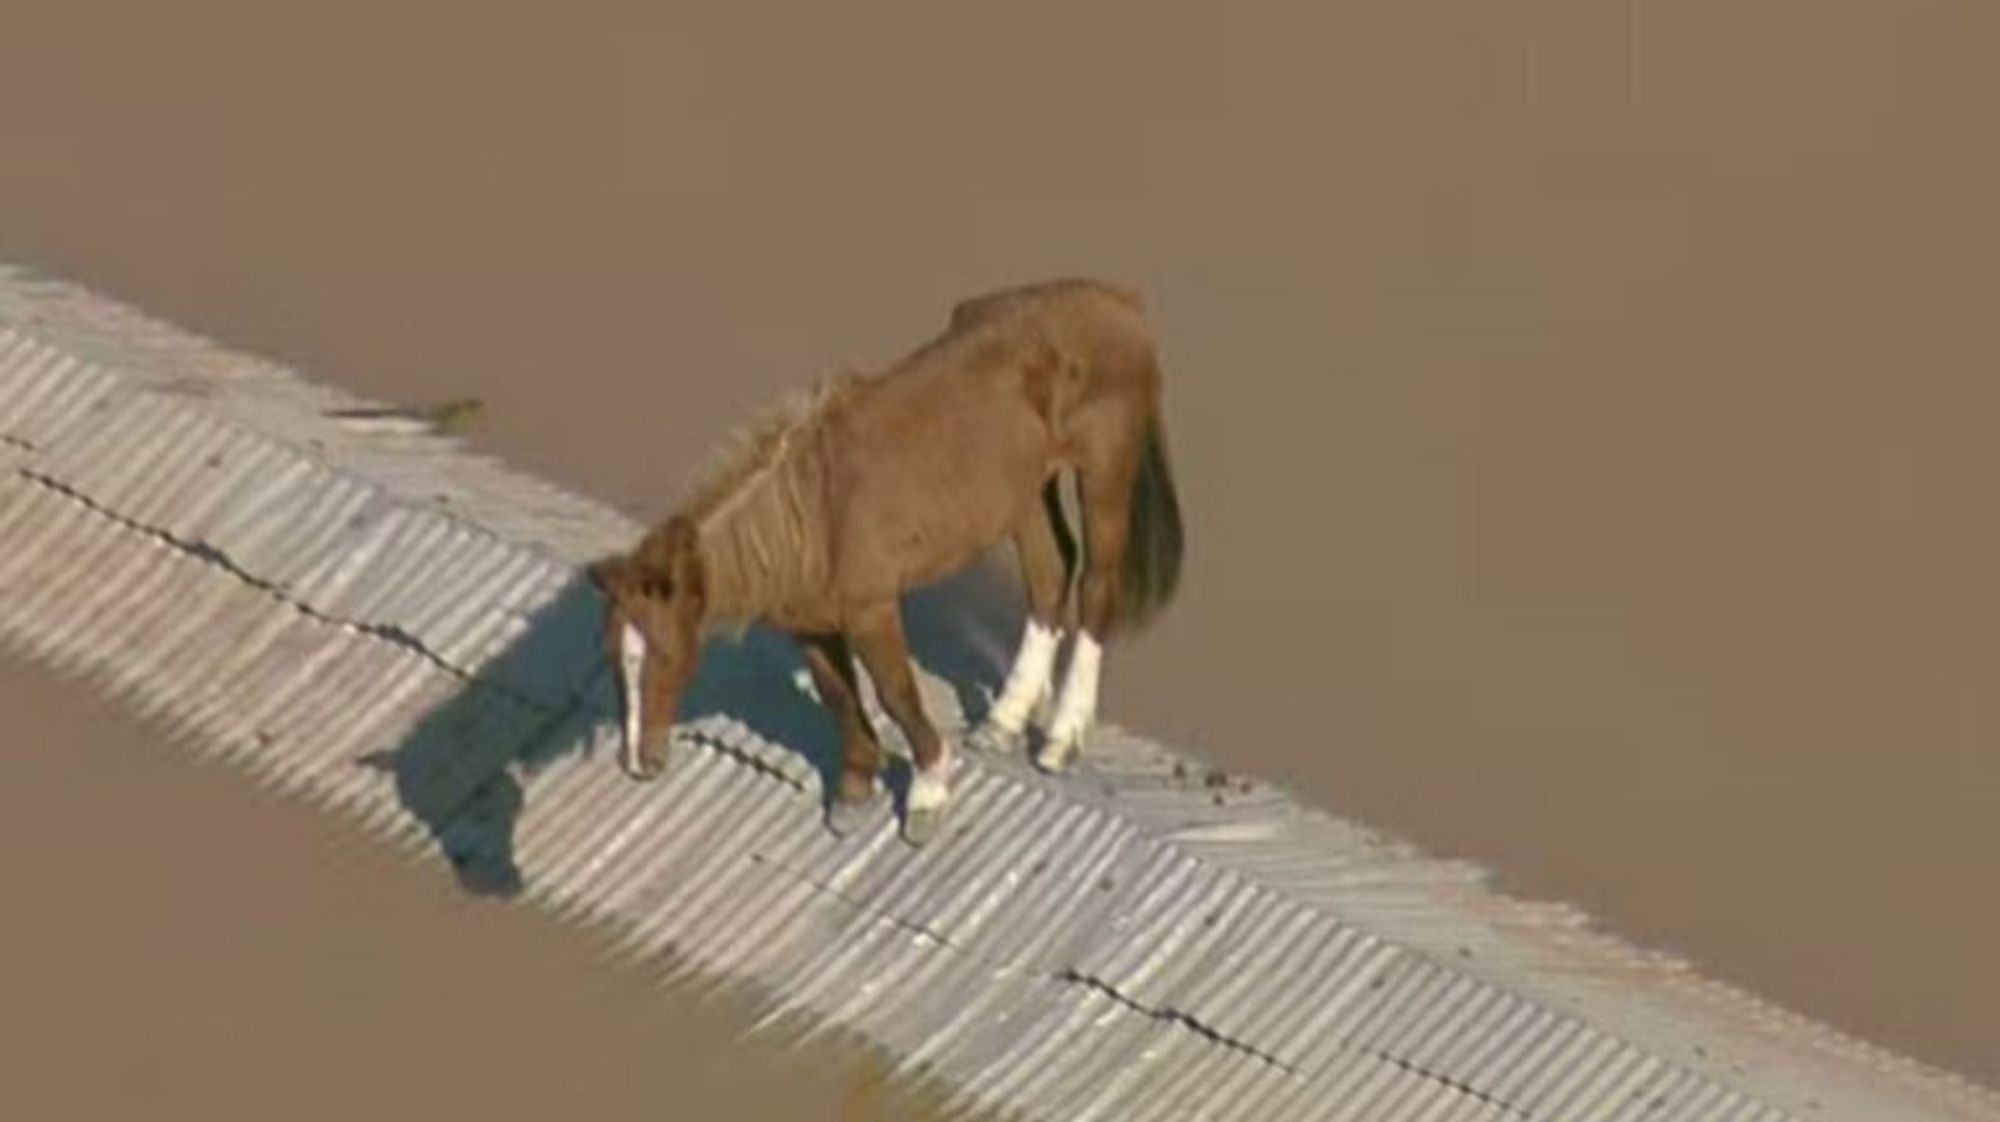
{"x": 1153, "y": 539}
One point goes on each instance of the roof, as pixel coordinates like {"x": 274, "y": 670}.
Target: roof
{"x": 377, "y": 620}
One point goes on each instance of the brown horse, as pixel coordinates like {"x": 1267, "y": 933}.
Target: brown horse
{"x": 877, "y": 484}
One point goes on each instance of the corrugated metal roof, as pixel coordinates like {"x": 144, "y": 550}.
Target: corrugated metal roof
{"x": 385, "y": 623}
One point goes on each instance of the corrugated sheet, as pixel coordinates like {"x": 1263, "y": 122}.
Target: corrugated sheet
{"x": 386, "y": 624}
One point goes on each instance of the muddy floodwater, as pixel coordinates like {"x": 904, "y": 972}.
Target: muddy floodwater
{"x": 1584, "y": 412}
{"x": 181, "y": 945}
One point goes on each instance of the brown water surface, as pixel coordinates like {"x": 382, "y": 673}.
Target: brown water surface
{"x": 182, "y": 945}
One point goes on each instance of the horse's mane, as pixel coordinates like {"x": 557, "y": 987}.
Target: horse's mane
{"x": 757, "y": 511}
{"x": 751, "y": 450}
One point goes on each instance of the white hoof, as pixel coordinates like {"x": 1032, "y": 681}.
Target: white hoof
{"x": 993, "y": 740}
{"x": 930, "y": 796}
{"x": 847, "y": 816}
{"x": 921, "y": 827}
{"x": 1056, "y": 755}
{"x": 647, "y": 763}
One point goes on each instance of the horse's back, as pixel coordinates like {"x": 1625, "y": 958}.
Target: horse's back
{"x": 939, "y": 455}
{"x": 1090, "y": 325}
{"x": 1081, "y": 297}
{"x": 1022, "y": 356}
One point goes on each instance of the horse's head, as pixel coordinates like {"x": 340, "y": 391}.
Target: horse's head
{"x": 652, "y": 635}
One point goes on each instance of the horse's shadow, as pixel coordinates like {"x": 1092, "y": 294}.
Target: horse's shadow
{"x": 460, "y": 770}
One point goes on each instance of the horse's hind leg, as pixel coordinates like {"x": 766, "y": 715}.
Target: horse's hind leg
{"x": 854, "y": 799}
{"x": 1106, "y": 485}
{"x": 878, "y": 639}
{"x": 1048, "y": 556}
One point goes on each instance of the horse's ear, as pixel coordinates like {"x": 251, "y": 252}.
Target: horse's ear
{"x": 665, "y": 547}
{"x": 671, "y": 553}
{"x": 611, "y": 575}
{"x": 663, "y": 566}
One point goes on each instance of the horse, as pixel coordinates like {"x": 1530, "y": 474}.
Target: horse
{"x": 870, "y": 485}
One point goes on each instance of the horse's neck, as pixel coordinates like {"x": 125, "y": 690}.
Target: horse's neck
{"x": 757, "y": 550}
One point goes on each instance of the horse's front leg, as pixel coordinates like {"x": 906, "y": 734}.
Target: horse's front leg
{"x": 877, "y": 636}
{"x": 854, "y": 797}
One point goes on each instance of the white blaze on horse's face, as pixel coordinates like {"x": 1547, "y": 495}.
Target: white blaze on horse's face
{"x": 652, "y": 647}
{"x": 631, "y": 661}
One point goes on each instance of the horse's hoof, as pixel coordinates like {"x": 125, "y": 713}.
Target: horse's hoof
{"x": 847, "y": 816}
{"x": 921, "y": 825}
{"x": 992, "y": 740}
{"x": 923, "y": 809}
{"x": 1055, "y": 756}
{"x": 645, "y": 766}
